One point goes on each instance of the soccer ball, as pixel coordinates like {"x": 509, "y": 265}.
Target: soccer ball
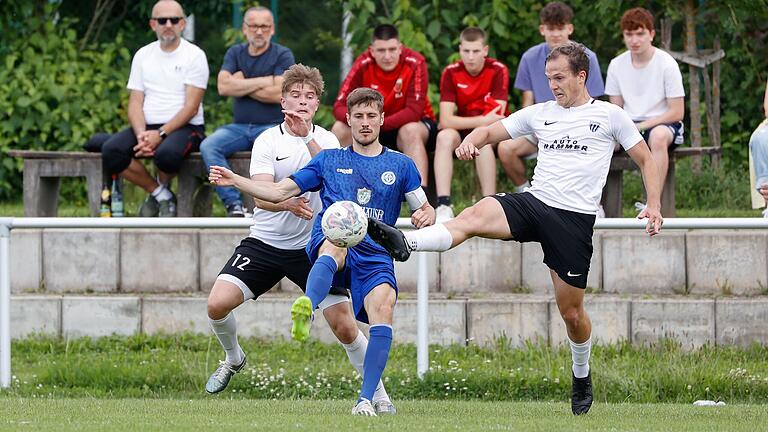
{"x": 344, "y": 224}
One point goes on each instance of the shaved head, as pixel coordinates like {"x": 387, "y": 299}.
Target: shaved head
{"x": 167, "y": 8}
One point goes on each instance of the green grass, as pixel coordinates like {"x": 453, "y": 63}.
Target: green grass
{"x": 177, "y": 367}
{"x": 329, "y": 415}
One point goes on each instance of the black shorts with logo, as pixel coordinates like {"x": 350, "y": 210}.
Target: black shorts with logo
{"x": 565, "y": 236}
{"x": 260, "y": 266}
{"x": 389, "y": 138}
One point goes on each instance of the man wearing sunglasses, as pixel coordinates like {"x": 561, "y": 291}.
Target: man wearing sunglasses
{"x": 252, "y": 75}
{"x": 165, "y": 111}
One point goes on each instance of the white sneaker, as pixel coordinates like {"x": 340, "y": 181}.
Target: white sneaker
{"x": 639, "y": 206}
{"x": 384, "y": 407}
{"x": 765, "y": 213}
{"x": 364, "y": 408}
{"x": 444, "y": 213}
{"x": 600, "y": 212}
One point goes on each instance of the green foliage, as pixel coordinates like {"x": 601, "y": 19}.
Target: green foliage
{"x": 178, "y": 365}
{"x": 54, "y": 96}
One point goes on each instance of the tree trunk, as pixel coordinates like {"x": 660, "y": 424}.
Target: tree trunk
{"x": 693, "y": 81}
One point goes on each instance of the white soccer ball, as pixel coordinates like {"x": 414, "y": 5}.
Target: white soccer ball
{"x": 344, "y": 224}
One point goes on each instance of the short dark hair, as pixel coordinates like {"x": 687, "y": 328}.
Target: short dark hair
{"x": 384, "y": 32}
{"x": 556, "y": 13}
{"x": 304, "y": 75}
{"x": 637, "y": 18}
{"x": 576, "y": 54}
{"x": 258, "y": 9}
{"x": 365, "y": 96}
{"x": 472, "y": 34}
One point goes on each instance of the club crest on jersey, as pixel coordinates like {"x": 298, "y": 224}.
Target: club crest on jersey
{"x": 363, "y": 196}
{"x": 388, "y": 178}
{"x": 398, "y": 88}
{"x": 594, "y": 127}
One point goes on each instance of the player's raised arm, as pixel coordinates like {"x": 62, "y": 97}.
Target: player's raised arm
{"x": 263, "y": 190}
{"x": 493, "y": 133}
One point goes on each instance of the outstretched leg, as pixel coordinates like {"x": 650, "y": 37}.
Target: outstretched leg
{"x": 484, "y": 219}
{"x": 330, "y": 259}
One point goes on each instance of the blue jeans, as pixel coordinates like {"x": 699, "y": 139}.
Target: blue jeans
{"x": 226, "y": 140}
{"x": 759, "y": 146}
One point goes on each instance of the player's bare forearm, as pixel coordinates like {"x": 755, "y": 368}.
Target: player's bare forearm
{"x": 263, "y": 190}
{"x": 641, "y": 155}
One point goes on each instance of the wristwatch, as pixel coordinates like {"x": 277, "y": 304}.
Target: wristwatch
{"x": 162, "y": 134}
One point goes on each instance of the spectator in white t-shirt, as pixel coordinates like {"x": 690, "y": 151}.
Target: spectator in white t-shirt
{"x": 647, "y": 83}
{"x": 167, "y": 83}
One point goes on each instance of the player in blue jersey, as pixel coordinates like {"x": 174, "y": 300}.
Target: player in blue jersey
{"x": 377, "y": 178}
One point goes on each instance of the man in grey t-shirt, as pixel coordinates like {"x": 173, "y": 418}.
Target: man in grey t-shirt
{"x": 556, "y": 26}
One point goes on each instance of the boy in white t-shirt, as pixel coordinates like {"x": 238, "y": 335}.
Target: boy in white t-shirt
{"x": 165, "y": 110}
{"x": 647, "y": 83}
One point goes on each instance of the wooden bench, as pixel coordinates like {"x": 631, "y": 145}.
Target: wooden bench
{"x": 614, "y": 186}
{"x": 43, "y": 171}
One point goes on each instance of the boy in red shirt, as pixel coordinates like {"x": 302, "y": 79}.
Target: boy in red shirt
{"x": 400, "y": 74}
{"x": 473, "y": 93}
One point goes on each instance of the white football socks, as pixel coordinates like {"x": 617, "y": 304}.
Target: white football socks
{"x": 435, "y": 238}
{"x": 580, "y": 355}
{"x": 162, "y": 193}
{"x": 225, "y": 330}
{"x": 356, "y": 353}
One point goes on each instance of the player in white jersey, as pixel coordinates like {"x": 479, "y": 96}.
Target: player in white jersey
{"x": 576, "y": 139}
{"x": 279, "y": 234}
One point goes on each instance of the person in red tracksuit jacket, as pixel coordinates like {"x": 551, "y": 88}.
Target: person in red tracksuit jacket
{"x": 400, "y": 75}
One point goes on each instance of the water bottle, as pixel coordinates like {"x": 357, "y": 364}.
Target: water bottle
{"x": 117, "y": 197}
{"x": 106, "y": 202}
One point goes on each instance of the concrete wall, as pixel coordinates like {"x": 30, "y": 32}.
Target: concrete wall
{"x": 693, "y": 322}
{"x": 187, "y": 261}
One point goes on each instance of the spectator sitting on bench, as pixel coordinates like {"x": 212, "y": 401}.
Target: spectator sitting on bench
{"x": 473, "y": 93}
{"x": 556, "y": 26}
{"x": 647, "y": 83}
{"x": 167, "y": 82}
{"x": 400, "y": 75}
{"x": 252, "y": 75}
{"x": 758, "y": 145}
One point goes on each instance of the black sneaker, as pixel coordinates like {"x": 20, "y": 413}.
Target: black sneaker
{"x": 391, "y": 238}
{"x": 235, "y": 210}
{"x": 581, "y": 394}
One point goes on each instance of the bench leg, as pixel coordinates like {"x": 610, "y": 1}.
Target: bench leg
{"x": 95, "y": 180}
{"x": 41, "y": 194}
{"x": 613, "y": 194}
{"x": 668, "y": 193}
{"x": 187, "y": 186}
{"x": 201, "y": 203}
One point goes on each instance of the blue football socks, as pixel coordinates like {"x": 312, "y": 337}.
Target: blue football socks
{"x": 375, "y": 358}
{"x": 320, "y": 279}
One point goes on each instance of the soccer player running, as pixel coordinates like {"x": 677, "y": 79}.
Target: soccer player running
{"x": 576, "y": 136}
{"x": 379, "y": 180}
{"x": 275, "y": 247}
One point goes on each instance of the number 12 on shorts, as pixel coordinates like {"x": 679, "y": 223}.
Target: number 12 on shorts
{"x": 244, "y": 262}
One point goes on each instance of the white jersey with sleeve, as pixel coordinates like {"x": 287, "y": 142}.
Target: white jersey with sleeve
{"x": 163, "y": 77}
{"x": 645, "y": 90}
{"x": 575, "y": 149}
{"x": 279, "y": 154}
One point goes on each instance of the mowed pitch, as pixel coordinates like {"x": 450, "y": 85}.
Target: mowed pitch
{"x": 334, "y": 415}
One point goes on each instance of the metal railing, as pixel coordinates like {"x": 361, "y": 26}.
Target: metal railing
{"x": 422, "y": 327}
